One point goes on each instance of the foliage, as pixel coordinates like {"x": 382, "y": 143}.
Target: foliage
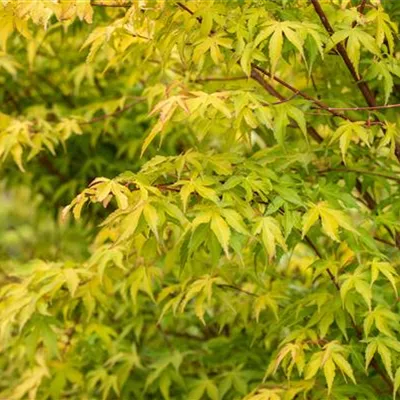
{"x": 229, "y": 173}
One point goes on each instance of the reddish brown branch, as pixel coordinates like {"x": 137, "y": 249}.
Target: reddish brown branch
{"x": 361, "y": 7}
{"x": 363, "y": 86}
{"x": 319, "y": 103}
{"x": 255, "y": 74}
{"x": 271, "y": 90}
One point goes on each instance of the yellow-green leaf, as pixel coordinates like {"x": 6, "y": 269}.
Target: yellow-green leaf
{"x": 221, "y": 231}
{"x": 329, "y": 373}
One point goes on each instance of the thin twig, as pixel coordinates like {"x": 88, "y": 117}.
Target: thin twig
{"x": 385, "y": 241}
{"x": 360, "y": 9}
{"x": 184, "y": 335}
{"x": 270, "y": 89}
{"x": 286, "y": 100}
{"x": 319, "y": 254}
{"x": 362, "y": 172}
{"x": 188, "y": 10}
{"x": 297, "y": 92}
{"x": 221, "y": 79}
{"x": 56, "y": 88}
{"x": 238, "y": 289}
{"x": 120, "y": 111}
{"x": 369, "y": 108}
{"x": 319, "y": 103}
{"x": 365, "y": 196}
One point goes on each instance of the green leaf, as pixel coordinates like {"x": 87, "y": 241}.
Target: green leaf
{"x": 121, "y": 194}
{"x": 343, "y": 365}
{"x": 275, "y": 48}
{"x": 271, "y": 233}
{"x": 72, "y": 280}
{"x": 313, "y": 366}
{"x": 329, "y": 373}
{"x": 212, "y": 391}
{"x": 385, "y": 269}
{"x": 221, "y": 231}
{"x": 151, "y": 217}
{"x": 370, "y": 352}
{"x": 386, "y": 357}
{"x": 309, "y": 219}
{"x": 235, "y": 220}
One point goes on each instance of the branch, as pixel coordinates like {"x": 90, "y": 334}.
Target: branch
{"x": 255, "y": 74}
{"x": 120, "y": 111}
{"x": 385, "y": 241}
{"x": 46, "y": 163}
{"x": 363, "y": 108}
{"x": 369, "y": 200}
{"x": 362, "y": 172}
{"x": 286, "y": 100}
{"x": 221, "y": 79}
{"x": 271, "y": 90}
{"x": 55, "y": 87}
{"x": 319, "y": 103}
{"x": 238, "y": 289}
{"x": 361, "y": 7}
{"x": 363, "y": 86}
{"x": 184, "y": 335}
{"x": 167, "y": 187}
{"x": 187, "y": 9}
{"x": 319, "y": 255}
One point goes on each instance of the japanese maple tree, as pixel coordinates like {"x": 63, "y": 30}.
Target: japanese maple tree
{"x": 200, "y": 199}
